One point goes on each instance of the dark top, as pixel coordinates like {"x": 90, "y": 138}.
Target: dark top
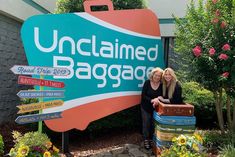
{"x": 177, "y": 95}
{"x": 148, "y": 93}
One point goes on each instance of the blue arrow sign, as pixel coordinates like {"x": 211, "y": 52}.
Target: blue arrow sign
{"x": 40, "y": 94}
{"x": 37, "y": 117}
{"x": 37, "y": 70}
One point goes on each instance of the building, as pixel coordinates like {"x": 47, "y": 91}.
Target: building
{"x": 14, "y": 12}
{"x": 12, "y": 15}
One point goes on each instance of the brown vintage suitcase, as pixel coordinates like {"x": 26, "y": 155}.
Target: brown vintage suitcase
{"x": 175, "y": 109}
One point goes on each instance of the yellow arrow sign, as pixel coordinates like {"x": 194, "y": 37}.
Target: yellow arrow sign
{"x": 39, "y": 106}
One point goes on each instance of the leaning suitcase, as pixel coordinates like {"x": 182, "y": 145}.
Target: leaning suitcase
{"x": 174, "y": 120}
{"x": 175, "y": 109}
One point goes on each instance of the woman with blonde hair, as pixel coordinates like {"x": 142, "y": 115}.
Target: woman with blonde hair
{"x": 151, "y": 90}
{"x": 172, "y": 91}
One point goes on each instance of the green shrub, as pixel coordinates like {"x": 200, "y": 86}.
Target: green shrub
{"x": 227, "y": 151}
{"x": 1, "y": 146}
{"x": 202, "y": 99}
{"x": 197, "y": 95}
{"x": 29, "y": 100}
{"x": 215, "y": 139}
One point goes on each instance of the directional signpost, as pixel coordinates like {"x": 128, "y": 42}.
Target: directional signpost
{"x": 39, "y": 106}
{"x": 37, "y": 117}
{"x": 39, "y": 82}
{"x": 40, "y": 94}
{"x": 37, "y": 70}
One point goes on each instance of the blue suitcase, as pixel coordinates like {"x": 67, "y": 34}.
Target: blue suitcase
{"x": 161, "y": 144}
{"x": 174, "y": 120}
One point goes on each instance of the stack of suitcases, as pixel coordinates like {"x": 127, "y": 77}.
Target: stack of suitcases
{"x": 171, "y": 120}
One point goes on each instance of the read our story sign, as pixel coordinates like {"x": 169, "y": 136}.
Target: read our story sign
{"x": 109, "y": 55}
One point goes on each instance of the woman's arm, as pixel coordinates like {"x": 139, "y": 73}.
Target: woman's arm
{"x": 177, "y": 95}
{"x": 144, "y": 92}
{"x": 166, "y": 101}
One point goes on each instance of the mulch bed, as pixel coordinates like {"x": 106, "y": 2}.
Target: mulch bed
{"x": 78, "y": 141}
{"x": 112, "y": 138}
{"x": 82, "y": 142}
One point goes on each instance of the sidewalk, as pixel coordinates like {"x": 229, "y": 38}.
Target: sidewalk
{"x": 127, "y": 150}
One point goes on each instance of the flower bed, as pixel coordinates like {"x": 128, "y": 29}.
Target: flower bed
{"x": 32, "y": 144}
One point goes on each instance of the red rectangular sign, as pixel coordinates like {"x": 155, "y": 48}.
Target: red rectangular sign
{"x": 39, "y": 82}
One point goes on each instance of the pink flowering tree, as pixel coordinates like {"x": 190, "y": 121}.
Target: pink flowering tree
{"x": 205, "y": 38}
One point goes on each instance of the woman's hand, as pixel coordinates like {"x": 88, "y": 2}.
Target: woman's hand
{"x": 155, "y": 102}
{"x": 160, "y": 98}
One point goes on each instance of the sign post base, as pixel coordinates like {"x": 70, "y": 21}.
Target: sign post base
{"x": 65, "y": 143}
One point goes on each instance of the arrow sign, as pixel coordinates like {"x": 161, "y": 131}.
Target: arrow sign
{"x": 39, "y": 106}
{"x": 39, "y": 82}
{"x": 37, "y": 117}
{"x": 39, "y": 94}
{"x": 37, "y": 70}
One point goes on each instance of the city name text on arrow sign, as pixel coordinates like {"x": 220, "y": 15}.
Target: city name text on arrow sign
{"x": 37, "y": 117}
{"x": 40, "y": 94}
{"x": 39, "y": 82}
{"x": 39, "y": 106}
{"x": 37, "y": 70}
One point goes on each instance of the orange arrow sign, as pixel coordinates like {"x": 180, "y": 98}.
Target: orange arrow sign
{"x": 39, "y": 106}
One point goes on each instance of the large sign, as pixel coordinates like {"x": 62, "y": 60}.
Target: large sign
{"x": 109, "y": 55}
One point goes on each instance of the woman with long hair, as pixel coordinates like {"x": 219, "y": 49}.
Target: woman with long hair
{"x": 172, "y": 90}
{"x": 151, "y": 90}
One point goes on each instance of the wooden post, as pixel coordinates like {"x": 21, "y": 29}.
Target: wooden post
{"x": 40, "y": 111}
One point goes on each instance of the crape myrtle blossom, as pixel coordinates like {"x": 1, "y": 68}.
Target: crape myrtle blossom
{"x": 225, "y": 74}
{"x": 214, "y": 1}
{"x": 217, "y": 12}
{"x": 197, "y": 51}
{"x": 215, "y": 21}
{"x": 223, "y": 24}
{"x": 211, "y": 51}
{"x": 223, "y": 56}
{"x": 226, "y": 47}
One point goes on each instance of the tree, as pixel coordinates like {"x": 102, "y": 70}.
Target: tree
{"x": 206, "y": 38}
{"x": 69, "y": 6}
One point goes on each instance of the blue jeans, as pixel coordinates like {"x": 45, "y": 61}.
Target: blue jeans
{"x": 147, "y": 124}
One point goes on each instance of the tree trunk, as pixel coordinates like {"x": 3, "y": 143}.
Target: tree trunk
{"x": 233, "y": 11}
{"x": 228, "y": 107}
{"x": 219, "y": 112}
{"x": 233, "y": 126}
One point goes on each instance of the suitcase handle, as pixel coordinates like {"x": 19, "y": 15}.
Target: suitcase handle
{"x": 88, "y": 3}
